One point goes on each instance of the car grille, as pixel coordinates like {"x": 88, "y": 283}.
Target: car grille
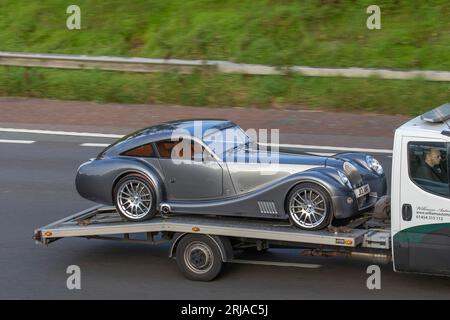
{"x": 367, "y": 201}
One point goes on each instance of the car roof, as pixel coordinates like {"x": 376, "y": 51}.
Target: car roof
{"x": 164, "y": 131}
{"x": 193, "y": 127}
{"x": 190, "y": 125}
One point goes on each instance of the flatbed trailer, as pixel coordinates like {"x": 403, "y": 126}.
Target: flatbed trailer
{"x": 416, "y": 238}
{"x": 201, "y": 244}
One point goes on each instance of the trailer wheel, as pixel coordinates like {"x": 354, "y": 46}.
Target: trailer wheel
{"x": 198, "y": 257}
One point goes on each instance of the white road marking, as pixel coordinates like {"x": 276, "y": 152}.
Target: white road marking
{"x": 116, "y": 136}
{"x": 304, "y": 146}
{"x": 16, "y": 141}
{"x": 279, "y": 264}
{"x": 63, "y": 133}
{"x": 100, "y": 145}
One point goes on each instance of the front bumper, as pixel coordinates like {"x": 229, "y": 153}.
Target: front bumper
{"x": 344, "y": 208}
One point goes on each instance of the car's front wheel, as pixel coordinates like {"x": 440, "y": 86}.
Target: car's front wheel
{"x": 134, "y": 198}
{"x": 309, "y": 207}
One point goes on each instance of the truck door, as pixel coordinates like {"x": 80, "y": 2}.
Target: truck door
{"x": 423, "y": 242}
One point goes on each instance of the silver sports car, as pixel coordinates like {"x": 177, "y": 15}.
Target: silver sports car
{"x": 213, "y": 167}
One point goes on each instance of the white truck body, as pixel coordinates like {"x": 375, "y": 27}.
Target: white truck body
{"x": 420, "y": 221}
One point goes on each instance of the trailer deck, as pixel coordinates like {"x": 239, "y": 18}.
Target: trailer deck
{"x": 105, "y": 222}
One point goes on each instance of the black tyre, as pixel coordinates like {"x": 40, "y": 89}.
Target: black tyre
{"x": 309, "y": 207}
{"x": 198, "y": 257}
{"x": 135, "y": 198}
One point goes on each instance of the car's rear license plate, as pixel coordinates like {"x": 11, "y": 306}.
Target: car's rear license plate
{"x": 362, "y": 191}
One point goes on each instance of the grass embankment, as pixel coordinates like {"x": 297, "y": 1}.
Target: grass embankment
{"x": 277, "y": 32}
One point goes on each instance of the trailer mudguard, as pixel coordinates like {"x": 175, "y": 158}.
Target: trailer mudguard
{"x": 222, "y": 242}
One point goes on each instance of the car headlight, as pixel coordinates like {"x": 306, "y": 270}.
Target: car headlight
{"x": 374, "y": 165}
{"x": 344, "y": 179}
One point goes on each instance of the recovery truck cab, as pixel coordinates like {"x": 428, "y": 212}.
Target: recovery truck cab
{"x": 416, "y": 237}
{"x": 420, "y": 194}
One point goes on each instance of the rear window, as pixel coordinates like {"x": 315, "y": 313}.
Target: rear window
{"x": 125, "y": 138}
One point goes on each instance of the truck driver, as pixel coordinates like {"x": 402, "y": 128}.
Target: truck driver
{"x": 431, "y": 170}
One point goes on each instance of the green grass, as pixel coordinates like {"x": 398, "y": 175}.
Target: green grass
{"x": 278, "y": 32}
{"x": 210, "y": 89}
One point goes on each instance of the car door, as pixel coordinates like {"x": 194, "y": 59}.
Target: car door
{"x": 423, "y": 243}
{"x": 190, "y": 171}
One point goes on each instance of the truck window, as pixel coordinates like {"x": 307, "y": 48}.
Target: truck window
{"x": 428, "y": 166}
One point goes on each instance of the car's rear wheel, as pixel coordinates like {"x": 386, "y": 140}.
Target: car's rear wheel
{"x": 135, "y": 198}
{"x": 309, "y": 207}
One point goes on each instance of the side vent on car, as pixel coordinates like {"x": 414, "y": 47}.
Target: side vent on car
{"x": 267, "y": 207}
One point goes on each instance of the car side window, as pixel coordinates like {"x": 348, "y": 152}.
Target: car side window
{"x": 183, "y": 149}
{"x": 428, "y": 166}
{"x": 142, "y": 151}
{"x": 165, "y": 148}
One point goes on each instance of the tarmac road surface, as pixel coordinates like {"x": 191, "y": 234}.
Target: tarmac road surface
{"x": 37, "y": 187}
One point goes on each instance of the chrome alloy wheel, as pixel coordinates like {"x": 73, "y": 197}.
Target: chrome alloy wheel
{"x": 198, "y": 257}
{"x": 308, "y": 208}
{"x": 135, "y": 199}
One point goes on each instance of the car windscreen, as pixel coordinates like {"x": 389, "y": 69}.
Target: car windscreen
{"x": 223, "y": 140}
